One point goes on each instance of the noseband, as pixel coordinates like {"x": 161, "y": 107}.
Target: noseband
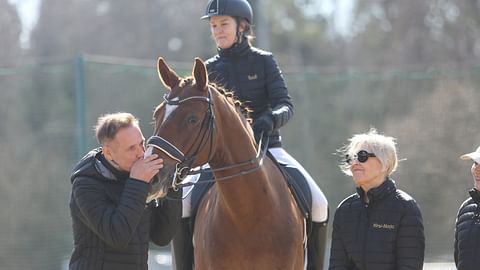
{"x": 183, "y": 167}
{"x": 184, "y": 163}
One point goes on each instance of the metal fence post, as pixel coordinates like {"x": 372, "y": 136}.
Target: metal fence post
{"x": 80, "y": 105}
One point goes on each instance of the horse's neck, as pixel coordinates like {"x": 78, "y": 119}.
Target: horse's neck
{"x": 234, "y": 144}
{"x": 249, "y": 188}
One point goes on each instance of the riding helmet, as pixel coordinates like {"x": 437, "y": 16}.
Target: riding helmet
{"x": 234, "y": 8}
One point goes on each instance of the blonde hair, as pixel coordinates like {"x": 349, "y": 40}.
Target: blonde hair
{"x": 109, "y": 124}
{"x": 384, "y": 148}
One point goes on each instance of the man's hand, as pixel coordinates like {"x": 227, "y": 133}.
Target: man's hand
{"x": 145, "y": 169}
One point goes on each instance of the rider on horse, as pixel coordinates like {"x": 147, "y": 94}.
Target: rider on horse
{"x": 254, "y": 77}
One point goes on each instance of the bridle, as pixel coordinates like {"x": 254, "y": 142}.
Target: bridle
{"x": 183, "y": 167}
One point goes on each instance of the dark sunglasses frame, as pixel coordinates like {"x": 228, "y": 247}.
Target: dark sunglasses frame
{"x": 362, "y": 157}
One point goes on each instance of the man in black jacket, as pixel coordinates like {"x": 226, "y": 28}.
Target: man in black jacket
{"x": 467, "y": 228}
{"x": 112, "y": 220}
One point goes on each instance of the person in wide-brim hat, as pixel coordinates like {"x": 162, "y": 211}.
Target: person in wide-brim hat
{"x": 467, "y": 242}
{"x": 475, "y": 156}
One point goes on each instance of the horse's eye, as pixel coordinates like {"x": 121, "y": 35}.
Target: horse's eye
{"x": 192, "y": 120}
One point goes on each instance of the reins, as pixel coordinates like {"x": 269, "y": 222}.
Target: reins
{"x": 183, "y": 165}
{"x": 261, "y": 153}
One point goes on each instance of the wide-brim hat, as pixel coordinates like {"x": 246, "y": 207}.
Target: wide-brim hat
{"x": 475, "y": 156}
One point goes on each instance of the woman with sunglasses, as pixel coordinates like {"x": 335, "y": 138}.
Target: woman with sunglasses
{"x": 380, "y": 226}
{"x": 467, "y": 228}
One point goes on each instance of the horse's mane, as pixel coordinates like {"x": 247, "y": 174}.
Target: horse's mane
{"x": 230, "y": 97}
{"x": 241, "y": 107}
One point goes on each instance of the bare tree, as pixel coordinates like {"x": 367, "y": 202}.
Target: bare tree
{"x": 414, "y": 33}
{"x": 144, "y": 29}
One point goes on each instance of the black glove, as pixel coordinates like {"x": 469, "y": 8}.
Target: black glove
{"x": 263, "y": 123}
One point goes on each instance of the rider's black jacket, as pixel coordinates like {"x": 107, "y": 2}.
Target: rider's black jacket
{"x": 387, "y": 233}
{"x": 467, "y": 233}
{"x": 112, "y": 224}
{"x": 255, "y": 78}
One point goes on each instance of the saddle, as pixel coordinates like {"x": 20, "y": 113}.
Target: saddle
{"x": 295, "y": 180}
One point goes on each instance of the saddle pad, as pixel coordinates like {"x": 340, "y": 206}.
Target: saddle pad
{"x": 300, "y": 189}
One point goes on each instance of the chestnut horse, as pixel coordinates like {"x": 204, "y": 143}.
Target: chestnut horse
{"x": 249, "y": 218}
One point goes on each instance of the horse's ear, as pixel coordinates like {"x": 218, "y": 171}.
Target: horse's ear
{"x": 199, "y": 72}
{"x": 168, "y": 77}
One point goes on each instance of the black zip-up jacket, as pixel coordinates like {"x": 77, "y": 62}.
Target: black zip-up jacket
{"x": 387, "y": 233}
{"x": 467, "y": 233}
{"x": 112, "y": 224}
{"x": 255, "y": 78}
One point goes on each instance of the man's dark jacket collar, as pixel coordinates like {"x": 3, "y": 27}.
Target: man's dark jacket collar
{"x": 94, "y": 164}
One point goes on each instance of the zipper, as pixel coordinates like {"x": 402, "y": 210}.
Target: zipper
{"x": 365, "y": 230}
{"x": 476, "y": 221}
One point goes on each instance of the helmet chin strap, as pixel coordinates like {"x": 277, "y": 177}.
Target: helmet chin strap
{"x": 240, "y": 37}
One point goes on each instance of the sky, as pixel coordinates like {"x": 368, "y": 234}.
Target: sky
{"x": 28, "y": 12}
{"x": 340, "y": 10}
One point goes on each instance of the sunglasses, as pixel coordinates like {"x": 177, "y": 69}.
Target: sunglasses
{"x": 362, "y": 157}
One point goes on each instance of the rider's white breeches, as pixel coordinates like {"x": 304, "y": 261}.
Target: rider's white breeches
{"x": 319, "y": 201}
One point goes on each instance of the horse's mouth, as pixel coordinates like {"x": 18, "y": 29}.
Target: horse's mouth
{"x": 158, "y": 188}
{"x": 157, "y": 193}
{"x": 160, "y": 184}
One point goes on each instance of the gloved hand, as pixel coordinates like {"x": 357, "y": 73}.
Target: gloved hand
{"x": 263, "y": 123}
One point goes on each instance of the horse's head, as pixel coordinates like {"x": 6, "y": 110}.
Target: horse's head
{"x": 184, "y": 126}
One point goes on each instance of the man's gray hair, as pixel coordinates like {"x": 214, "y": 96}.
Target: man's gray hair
{"x": 109, "y": 124}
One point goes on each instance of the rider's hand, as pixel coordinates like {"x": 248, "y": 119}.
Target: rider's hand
{"x": 145, "y": 169}
{"x": 263, "y": 123}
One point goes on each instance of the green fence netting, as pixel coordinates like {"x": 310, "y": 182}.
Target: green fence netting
{"x": 48, "y": 111}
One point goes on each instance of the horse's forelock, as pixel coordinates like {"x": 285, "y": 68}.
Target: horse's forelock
{"x": 189, "y": 81}
{"x": 178, "y": 90}
{"x": 229, "y": 96}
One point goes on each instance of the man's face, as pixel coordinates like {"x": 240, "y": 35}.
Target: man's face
{"x": 126, "y": 147}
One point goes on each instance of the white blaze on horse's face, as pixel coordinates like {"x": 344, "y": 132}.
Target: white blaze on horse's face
{"x": 169, "y": 109}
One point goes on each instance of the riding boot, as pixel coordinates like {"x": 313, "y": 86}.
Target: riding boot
{"x": 182, "y": 247}
{"x": 316, "y": 243}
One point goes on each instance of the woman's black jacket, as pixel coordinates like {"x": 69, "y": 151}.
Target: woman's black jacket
{"x": 256, "y": 80}
{"x": 467, "y": 233}
{"x": 387, "y": 233}
{"x": 112, "y": 224}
